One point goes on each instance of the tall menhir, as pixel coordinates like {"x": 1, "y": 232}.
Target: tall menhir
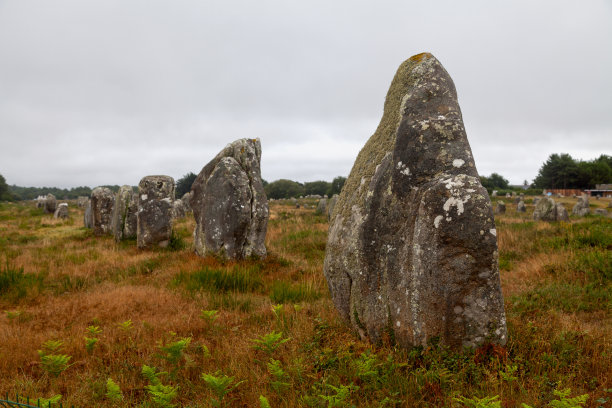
{"x": 412, "y": 246}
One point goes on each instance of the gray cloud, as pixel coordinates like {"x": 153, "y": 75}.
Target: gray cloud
{"x": 105, "y": 92}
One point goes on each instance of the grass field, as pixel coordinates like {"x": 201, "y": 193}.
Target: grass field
{"x": 105, "y": 324}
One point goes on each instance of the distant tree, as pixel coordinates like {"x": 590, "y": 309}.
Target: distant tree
{"x": 4, "y": 189}
{"x": 336, "y": 186}
{"x": 183, "y": 185}
{"x": 284, "y": 188}
{"x": 559, "y": 171}
{"x": 319, "y": 187}
{"x": 494, "y": 182}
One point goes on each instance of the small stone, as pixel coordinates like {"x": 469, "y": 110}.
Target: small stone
{"x": 102, "y": 202}
{"x": 601, "y": 211}
{"x": 501, "y": 208}
{"x": 82, "y": 201}
{"x": 61, "y": 211}
{"x": 582, "y": 206}
{"x": 155, "y": 210}
{"x": 230, "y": 205}
{"x": 520, "y": 207}
{"x": 50, "y": 204}
{"x": 321, "y": 207}
{"x": 562, "y": 214}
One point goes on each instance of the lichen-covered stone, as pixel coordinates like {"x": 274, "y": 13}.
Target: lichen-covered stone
{"x": 87, "y": 215}
{"x": 50, "y": 204}
{"x": 501, "y": 208}
{"x": 186, "y": 200}
{"x": 520, "y": 207}
{"x": 61, "y": 211}
{"x": 155, "y": 210}
{"x": 562, "y": 214}
{"x": 412, "y": 246}
{"x": 229, "y": 203}
{"x": 82, "y": 201}
{"x": 124, "y": 214}
{"x": 545, "y": 210}
{"x": 321, "y": 206}
{"x": 582, "y": 206}
{"x": 102, "y": 202}
{"x": 178, "y": 209}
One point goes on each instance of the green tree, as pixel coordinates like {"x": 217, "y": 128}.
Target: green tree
{"x": 183, "y": 185}
{"x": 319, "y": 187}
{"x": 284, "y": 188}
{"x": 494, "y": 182}
{"x": 4, "y": 190}
{"x": 336, "y": 186}
{"x": 559, "y": 171}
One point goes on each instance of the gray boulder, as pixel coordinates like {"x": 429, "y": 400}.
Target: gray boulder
{"x": 520, "y": 207}
{"x": 87, "y": 216}
{"x": 61, "y": 211}
{"x": 412, "y": 247}
{"x": 82, "y": 201}
{"x": 562, "y": 214}
{"x": 229, "y": 203}
{"x": 545, "y": 210}
{"x": 178, "y": 209}
{"x": 501, "y": 208}
{"x": 186, "y": 200}
{"x": 582, "y": 206}
{"x": 102, "y": 203}
{"x": 124, "y": 214}
{"x": 155, "y": 211}
{"x": 50, "y": 204}
{"x": 321, "y": 206}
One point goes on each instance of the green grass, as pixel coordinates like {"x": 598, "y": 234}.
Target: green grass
{"x": 15, "y": 284}
{"x": 284, "y": 292}
{"x": 238, "y": 279}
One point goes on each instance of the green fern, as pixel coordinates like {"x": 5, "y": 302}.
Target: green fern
{"x": 475, "y": 402}
{"x": 221, "y": 385}
{"x": 279, "y": 384}
{"x": 49, "y": 402}
{"x": 162, "y": 395}
{"x": 269, "y": 342}
{"x": 113, "y": 392}
{"x": 126, "y": 326}
{"x": 54, "y": 364}
{"x": 209, "y": 315}
{"x": 263, "y": 402}
{"x": 340, "y": 395}
{"x": 90, "y": 343}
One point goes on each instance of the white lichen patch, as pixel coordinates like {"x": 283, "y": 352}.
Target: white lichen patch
{"x": 437, "y": 220}
{"x": 144, "y": 197}
{"x": 493, "y": 232}
{"x": 458, "y": 162}
{"x": 455, "y": 202}
{"x": 403, "y": 169}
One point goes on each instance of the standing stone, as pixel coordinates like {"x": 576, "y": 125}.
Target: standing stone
{"x": 186, "y": 200}
{"x": 61, "y": 211}
{"x": 321, "y": 206}
{"x": 178, "y": 209}
{"x": 87, "y": 216}
{"x": 155, "y": 210}
{"x": 494, "y": 194}
{"x": 40, "y": 202}
{"x": 102, "y": 202}
{"x": 562, "y": 214}
{"x": 501, "y": 208}
{"x": 582, "y": 206}
{"x": 601, "y": 211}
{"x": 545, "y": 210}
{"x": 50, "y": 204}
{"x": 412, "y": 247}
{"x": 124, "y": 213}
{"x": 229, "y": 203}
{"x": 535, "y": 200}
{"x": 508, "y": 195}
{"x": 82, "y": 201}
{"x": 521, "y": 207}
{"x": 331, "y": 205}
{"x": 130, "y": 227}
{"x": 610, "y": 204}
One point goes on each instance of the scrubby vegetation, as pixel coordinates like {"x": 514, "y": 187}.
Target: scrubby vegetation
{"x": 91, "y": 323}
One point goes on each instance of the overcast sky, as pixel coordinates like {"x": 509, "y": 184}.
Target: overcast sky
{"x": 106, "y": 92}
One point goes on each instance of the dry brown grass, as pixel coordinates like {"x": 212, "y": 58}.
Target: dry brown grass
{"x": 94, "y": 281}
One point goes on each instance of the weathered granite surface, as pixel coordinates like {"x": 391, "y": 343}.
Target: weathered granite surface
{"x": 155, "y": 210}
{"x": 102, "y": 202}
{"x": 412, "y": 246}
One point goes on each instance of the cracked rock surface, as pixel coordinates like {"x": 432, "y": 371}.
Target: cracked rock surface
{"x": 229, "y": 203}
{"x": 155, "y": 210}
{"x": 124, "y": 214}
{"x": 102, "y": 202}
{"x": 412, "y": 246}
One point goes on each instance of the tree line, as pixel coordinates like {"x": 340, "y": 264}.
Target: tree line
{"x": 558, "y": 171}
